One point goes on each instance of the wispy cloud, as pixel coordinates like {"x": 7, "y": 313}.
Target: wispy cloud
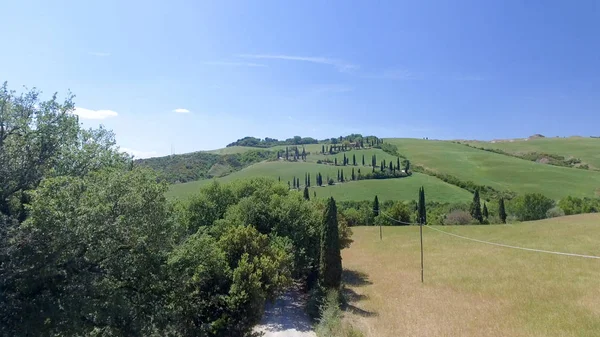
{"x": 139, "y": 154}
{"x": 99, "y": 54}
{"x": 181, "y": 111}
{"x": 94, "y": 114}
{"x": 340, "y": 65}
{"x": 234, "y": 64}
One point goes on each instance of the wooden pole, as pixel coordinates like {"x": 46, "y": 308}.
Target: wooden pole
{"x": 421, "y": 230}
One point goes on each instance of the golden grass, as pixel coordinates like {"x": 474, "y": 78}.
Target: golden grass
{"x": 473, "y": 289}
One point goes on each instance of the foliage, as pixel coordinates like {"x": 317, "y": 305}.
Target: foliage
{"x": 502, "y": 210}
{"x": 269, "y": 142}
{"x": 459, "y": 217}
{"x": 531, "y": 206}
{"x": 331, "y": 323}
{"x": 390, "y": 148}
{"x": 201, "y": 165}
{"x": 573, "y": 205}
{"x": 554, "y": 212}
{"x": 421, "y": 208}
{"x": 476, "y": 207}
{"x": 385, "y": 174}
{"x": 330, "y": 266}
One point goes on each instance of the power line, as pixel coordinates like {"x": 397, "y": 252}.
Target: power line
{"x": 515, "y": 247}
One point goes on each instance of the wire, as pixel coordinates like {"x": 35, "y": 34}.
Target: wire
{"x": 514, "y": 247}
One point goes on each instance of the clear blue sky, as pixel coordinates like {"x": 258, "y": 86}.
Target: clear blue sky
{"x": 437, "y": 69}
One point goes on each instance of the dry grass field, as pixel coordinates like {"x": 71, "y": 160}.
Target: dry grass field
{"x": 474, "y": 289}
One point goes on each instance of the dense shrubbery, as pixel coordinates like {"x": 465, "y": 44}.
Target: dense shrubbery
{"x": 385, "y": 174}
{"x": 389, "y": 148}
{"x": 181, "y": 168}
{"x": 269, "y": 142}
{"x": 532, "y": 206}
{"x": 573, "y": 205}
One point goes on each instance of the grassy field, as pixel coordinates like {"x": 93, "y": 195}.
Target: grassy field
{"x": 235, "y": 149}
{"x": 474, "y": 289}
{"x": 394, "y": 189}
{"x": 499, "y": 171}
{"x": 586, "y": 149}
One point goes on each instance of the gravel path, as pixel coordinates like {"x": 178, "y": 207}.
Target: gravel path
{"x": 286, "y": 317}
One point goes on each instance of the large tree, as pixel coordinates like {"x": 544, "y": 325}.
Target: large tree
{"x": 330, "y": 266}
{"x": 421, "y": 208}
{"x": 501, "y": 210}
{"x": 306, "y": 196}
{"x": 485, "y": 211}
{"x": 475, "y": 209}
{"x": 376, "y": 207}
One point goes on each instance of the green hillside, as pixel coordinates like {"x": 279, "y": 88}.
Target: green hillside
{"x": 386, "y": 189}
{"x": 499, "y": 171}
{"x": 586, "y": 149}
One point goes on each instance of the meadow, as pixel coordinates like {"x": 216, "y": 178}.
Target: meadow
{"x": 499, "y": 171}
{"x": 474, "y": 289}
{"x": 586, "y": 149}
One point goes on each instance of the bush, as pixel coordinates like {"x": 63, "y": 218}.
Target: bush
{"x": 459, "y": 217}
{"x": 316, "y": 299}
{"x": 573, "y": 205}
{"x": 331, "y": 324}
{"x": 555, "y": 212}
{"x": 330, "y": 181}
{"x": 531, "y": 206}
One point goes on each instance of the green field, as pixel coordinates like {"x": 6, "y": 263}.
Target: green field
{"x": 586, "y": 149}
{"x": 499, "y": 171}
{"x": 386, "y": 189}
{"x": 474, "y": 289}
{"x": 235, "y": 149}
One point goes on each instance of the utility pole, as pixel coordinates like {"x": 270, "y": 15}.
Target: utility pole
{"x": 421, "y": 230}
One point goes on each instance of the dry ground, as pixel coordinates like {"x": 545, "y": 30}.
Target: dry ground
{"x": 473, "y": 289}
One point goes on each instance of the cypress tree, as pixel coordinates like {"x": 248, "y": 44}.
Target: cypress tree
{"x": 344, "y": 159}
{"x": 330, "y": 264}
{"x": 294, "y": 182}
{"x": 476, "y": 207}
{"x": 338, "y": 178}
{"x": 422, "y": 211}
{"x": 308, "y": 181}
{"x": 342, "y": 175}
{"x": 363, "y": 161}
{"x": 287, "y": 153}
{"x": 279, "y": 178}
{"x": 376, "y": 207}
{"x": 335, "y": 161}
{"x": 306, "y": 197}
{"x": 391, "y": 166}
{"x": 314, "y": 194}
{"x": 323, "y": 149}
{"x": 407, "y": 166}
{"x": 353, "y": 176}
{"x": 398, "y": 164}
{"x": 354, "y": 160}
{"x": 485, "y": 211}
{"x": 382, "y": 166}
{"x": 501, "y": 210}
{"x": 305, "y": 179}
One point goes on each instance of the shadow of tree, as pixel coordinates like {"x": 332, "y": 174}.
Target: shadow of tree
{"x": 354, "y": 278}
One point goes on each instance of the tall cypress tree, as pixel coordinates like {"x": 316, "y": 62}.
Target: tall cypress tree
{"x": 354, "y": 159}
{"x": 306, "y": 193}
{"x": 279, "y": 178}
{"x": 476, "y": 207}
{"x": 335, "y": 161}
{"x": 353, "y": 176}
{"x": 398, "y": 164}
{"x": 363, "y": 161}
{"x": 342, "y": 176}
{"x": 305, "y": 179}
{"x": 501, "y": 210}
{"x": 485, "y": 211}
{"x": 308, "y": 181}
{"x": 422, "y": 211}
{"x": 376, "y": 206}
{"x": 330, "y": 264}
{"x": 391, "y": 166}
{"x": 344, "y": 159}
{"x": 338, "y": 175}
{"x": 287, "y": 153}
{"x": 323, "y": 149}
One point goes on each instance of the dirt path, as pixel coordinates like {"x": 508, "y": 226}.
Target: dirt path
{"x": 286, "y": 317}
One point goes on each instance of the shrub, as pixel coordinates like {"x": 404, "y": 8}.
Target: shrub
{"x": 331, "y": 323}
{"x": 531, "y": 206}
{"x": 330, "y": 181}
{"x": 459, "y": 217}
{"x": 555, "y": 212}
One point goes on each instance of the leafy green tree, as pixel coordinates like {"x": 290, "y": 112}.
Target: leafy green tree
{"x": 399, "y": 211}
{"x": 533, "y": 206}
{"x": 485, "y": 211}
{"x": 376, "y": 207}
{"x": 501, "y": 210}
{"x": 330, "y": 266}
{"x": 475, "y": 209}
{"x": 306, "y": 196}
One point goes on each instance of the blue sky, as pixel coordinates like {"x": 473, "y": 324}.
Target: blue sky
{"x": 437, "y": 69}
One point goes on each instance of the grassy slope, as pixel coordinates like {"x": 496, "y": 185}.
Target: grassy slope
{"x": 235, "y": 149}
{"x": 473, "y": 289}
{"x": 499, "y": 171}
{"x": 396, "y": 189}
{"x": 586, "y": 149}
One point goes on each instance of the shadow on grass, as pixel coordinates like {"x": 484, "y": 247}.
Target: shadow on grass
{"x": 353, "y": 278}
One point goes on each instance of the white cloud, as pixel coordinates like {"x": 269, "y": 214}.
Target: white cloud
{"x": 139, "y": 154}
{"x": 181, "y": 111}
{"x": 94, "y": 114}
{"x": 99, "y": 54}
{"x": 340, "y": 65}
{"x": 235, "y": 64}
